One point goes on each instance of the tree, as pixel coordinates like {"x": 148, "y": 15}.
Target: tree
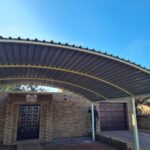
{"x": 23, "y": 88}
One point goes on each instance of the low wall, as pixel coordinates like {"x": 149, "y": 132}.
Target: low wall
{"x": 116, "y": 143}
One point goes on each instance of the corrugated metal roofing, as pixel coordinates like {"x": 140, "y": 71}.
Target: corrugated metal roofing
{"x": 95, "y": 75}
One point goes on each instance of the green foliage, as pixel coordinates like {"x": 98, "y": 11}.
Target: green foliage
{"x": 21, "y": 88}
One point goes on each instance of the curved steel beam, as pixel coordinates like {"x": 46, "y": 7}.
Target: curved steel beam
{"x": 51, "y": 80}
{"x": 55, "y": 86}
{"x": 69, "y": 71}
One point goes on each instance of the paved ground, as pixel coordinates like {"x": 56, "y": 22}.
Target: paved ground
{"x": 2, "y": 147}
{"x": 30, "y": 146}
{"x": 87, "y": 146}
{"x": 127, "y": 136}
{"x": 66, "y": 144}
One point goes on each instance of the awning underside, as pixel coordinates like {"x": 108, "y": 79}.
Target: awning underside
{"x": 94, "y": 75}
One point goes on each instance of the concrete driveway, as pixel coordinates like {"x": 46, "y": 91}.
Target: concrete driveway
{"x": 127, "y": 136}
{"x": 66, "y": 144}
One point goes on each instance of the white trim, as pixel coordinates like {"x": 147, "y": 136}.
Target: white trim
{"x": 93, "y": 128}
{"x": 122, "y": 98}
{"x": 134, "y": 124}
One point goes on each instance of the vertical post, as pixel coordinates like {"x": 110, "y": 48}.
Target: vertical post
{"x": 93, "y": 128}
{"x": 135, "y": 129}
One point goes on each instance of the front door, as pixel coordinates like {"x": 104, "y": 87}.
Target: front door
{"x": 28, "y": 123}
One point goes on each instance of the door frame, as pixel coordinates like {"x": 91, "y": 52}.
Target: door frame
{"x": 12, "y": 113}
{"x": 19, "y": 117}
{"x": 126, "y": 111}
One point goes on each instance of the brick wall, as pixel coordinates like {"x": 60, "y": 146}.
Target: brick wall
{"x": 144, "y": 122}
{"x": 70, "y": 117}
{"x": 58, "y": 118}
{"x": 9, "y": 126}
{"x": 12, "y": 114}
{"x": 3, "y": 101}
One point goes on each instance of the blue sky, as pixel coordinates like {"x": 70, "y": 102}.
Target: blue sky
{"x": 120, "y": 27}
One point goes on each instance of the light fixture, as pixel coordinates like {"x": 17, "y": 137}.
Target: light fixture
{"x": 65, "y": 97}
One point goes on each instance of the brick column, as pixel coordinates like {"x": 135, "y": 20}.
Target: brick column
{"x": 129, "y": 112}
{"x": 42, "y": 122}
{"x": 98, "y": 121}
{"x": 48, "y": 136}
{"x": 3, "y": 103}
{"x": 15, "y": 122}
{"x": 8, "y": 124}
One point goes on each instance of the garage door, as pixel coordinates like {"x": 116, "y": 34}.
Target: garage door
{"x": 113, "y": 116}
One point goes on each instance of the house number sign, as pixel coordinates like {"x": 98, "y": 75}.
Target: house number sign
{"x": 31, "y": 98}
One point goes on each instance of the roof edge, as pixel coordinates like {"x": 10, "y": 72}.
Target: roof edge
{"x": 77, "y": 48}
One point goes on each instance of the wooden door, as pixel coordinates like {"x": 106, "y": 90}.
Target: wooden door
{"x": 28, "y": 123}
{"x": 113, "y": 116}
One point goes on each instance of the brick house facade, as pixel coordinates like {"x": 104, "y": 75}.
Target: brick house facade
{"x": 58, "y": 118}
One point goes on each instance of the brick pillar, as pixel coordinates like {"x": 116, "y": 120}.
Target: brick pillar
{"x": 15, "y": 122}
{"x": 129, "y": 112}
{"x": 98, "y": 121}
{"x": 3, "y": 103}
{"x": 43, "y": 122}
{"x": 8, "y": 124}
{"x": 48, "y": 136}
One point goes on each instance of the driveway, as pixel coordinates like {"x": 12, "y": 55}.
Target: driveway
{"x": 80, "y": 143}
{"x": 127, "y": 136}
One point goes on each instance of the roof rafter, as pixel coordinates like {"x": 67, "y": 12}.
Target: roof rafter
{"x": 69, "y": 71}
{"x": 89, "y": 90}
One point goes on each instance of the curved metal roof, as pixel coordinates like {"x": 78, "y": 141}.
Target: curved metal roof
{"x": 93, "y": 74}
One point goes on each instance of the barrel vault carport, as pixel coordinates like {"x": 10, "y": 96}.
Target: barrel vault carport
{"x": 96, "y": 75}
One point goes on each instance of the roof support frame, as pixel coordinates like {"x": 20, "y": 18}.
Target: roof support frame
{"x": 123, "y": 98}
{"x": 89, "y": 90}
{"x": 89, "y": 97}
{"x": 69, "y": 71}
{"x": 111, "y": 82}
